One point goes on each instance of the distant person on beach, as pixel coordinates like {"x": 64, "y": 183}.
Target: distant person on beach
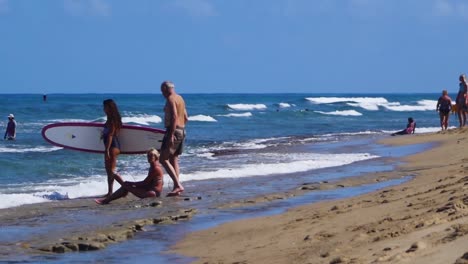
{"x": 10, "y": 133}
{"x": 444, "y": 106}
{"x": 175, "y": 118}
{"x": 461, "y": 100}
{"x": 151, "y": 186}
{"x": 410, "y": 128}
{"x": 110, "y": 138}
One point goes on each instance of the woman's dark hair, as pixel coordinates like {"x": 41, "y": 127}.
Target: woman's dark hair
{"x": 114, "y": 120}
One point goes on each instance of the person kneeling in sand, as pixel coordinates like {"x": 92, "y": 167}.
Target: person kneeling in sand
{"x": 151, "y": 186}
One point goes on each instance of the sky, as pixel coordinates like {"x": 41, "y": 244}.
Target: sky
{"x": 232, "y": 46}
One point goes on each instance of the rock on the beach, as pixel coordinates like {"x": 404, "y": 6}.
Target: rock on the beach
{"x": 463, "y": 259}
{"x": 91, "y": 246}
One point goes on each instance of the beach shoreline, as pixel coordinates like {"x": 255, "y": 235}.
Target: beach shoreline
{"x": 129, "y": 216}
{"x": 420, "y": 221}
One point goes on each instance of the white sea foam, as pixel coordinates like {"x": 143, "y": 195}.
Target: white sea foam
{"x": 300, "y": 163}
{"x": 63, "y": 189}
{"x": 207, "y": 155}
{"x": 26, "y": 149}
{"x": 284, "y": 105}
{"x": 94, "y": 185}
{"x": 373, "y": 103}
{"x": 247, "y": 107}
{"x": 246, "y": 114}
{"x": 142, "y": 119}
{"x": 341, "y": 113}
{"x": 368, "y": 103}
{"x": 202, "y": 118}
{"x": 422, "y": 105}
{"x": 17, "y": 199}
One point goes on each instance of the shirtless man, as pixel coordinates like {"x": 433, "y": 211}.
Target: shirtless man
{"x": 175, "y": 118}
{"x": 151, "y": 186}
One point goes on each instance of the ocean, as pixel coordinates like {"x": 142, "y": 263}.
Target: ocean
{"x": 229, "y": 136}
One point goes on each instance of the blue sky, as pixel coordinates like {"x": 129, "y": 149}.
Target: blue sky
{"x": 232, "y": 46}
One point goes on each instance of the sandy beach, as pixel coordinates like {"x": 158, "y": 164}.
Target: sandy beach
{"x": 424, "y": 220}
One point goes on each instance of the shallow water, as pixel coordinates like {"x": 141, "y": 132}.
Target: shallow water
{"x": 228, "y": 136}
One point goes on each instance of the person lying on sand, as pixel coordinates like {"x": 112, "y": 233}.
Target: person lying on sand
{"x": 151, "y": 186}
{"x": 410, "y": 128}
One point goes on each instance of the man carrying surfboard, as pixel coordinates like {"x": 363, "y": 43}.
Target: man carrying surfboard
{"x": 175, "y": 118}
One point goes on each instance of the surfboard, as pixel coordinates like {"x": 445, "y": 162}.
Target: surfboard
{"x": 86, "y": 137}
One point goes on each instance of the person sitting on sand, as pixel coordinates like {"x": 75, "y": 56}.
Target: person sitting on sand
{"x": 151, "y": 186}
{"x": 410, "y": 128}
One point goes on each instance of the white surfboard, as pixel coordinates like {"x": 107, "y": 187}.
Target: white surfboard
{"x": 84, "y": 136}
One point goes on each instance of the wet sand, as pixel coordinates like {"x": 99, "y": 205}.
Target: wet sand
{"x": 424, "y": 220}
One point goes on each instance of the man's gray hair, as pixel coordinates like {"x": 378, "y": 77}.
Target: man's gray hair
{"x": 167, "y": 85}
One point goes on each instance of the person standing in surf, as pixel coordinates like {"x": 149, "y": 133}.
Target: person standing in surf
{"x": 461, "y": 100}
{"x": 444, "y": 106}
{"x": 175, "y": 119}
{"x": 110, "y": 138}
{"x": 10, "y": 133}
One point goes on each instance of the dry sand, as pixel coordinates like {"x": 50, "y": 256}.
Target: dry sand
{"x": 424, "y": 220}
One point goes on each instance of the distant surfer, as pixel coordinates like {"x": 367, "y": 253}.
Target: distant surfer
{"x": 111, "y": 143}
{"x": 175, "y": 118}
{"x": 444, "y": 106}
{"x": 410, "y": 128}
{"x": 461, "y": 100}
{"x": 10, "y": 133}
{"x": 151, "y": 186}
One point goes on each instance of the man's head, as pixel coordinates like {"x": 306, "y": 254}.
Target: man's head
{"x": 167, "y": 87}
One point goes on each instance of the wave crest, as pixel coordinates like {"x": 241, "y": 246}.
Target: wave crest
{"x": 202, "y": 118}
{"x": 247, "y": 107}
{"x": 341, "y": 113}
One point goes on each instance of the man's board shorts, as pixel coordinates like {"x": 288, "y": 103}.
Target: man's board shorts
{"x": 179, "y": 138}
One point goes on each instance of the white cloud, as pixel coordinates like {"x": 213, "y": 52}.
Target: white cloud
{"x": 4, "y": 8}
{"x": 87, "y": 7}
{"x": 451, "y": 8}
{"x": 100, "y": 7}
{"x": 197, "y": 8}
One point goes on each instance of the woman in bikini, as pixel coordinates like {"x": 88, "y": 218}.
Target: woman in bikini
{"x": 111, "y": 143}
{"x": 151, "y": 186}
